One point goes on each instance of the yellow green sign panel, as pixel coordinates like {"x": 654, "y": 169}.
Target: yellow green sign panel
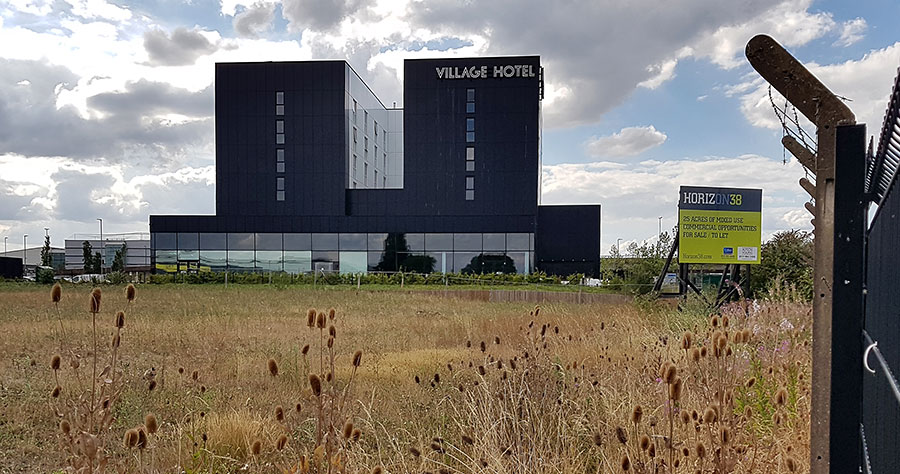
{"x": 719, "y": 225}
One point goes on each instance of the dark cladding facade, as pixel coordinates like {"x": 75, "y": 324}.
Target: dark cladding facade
{"x": 314, "y": 173}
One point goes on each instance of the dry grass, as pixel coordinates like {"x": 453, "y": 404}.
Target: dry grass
{"x": 556, "y": 411}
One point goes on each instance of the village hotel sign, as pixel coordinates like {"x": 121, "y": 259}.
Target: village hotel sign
{"x": 485, "y": 72}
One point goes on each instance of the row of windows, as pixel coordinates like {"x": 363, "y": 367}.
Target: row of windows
{"x": 470, "y": 150}
{"x": 307, "y": 261}
{"x": 279, "y": 140}
{"x": 398, "y": 242}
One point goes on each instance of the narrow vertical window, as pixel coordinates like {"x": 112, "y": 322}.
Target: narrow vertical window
{"x": 279, "y": 155}
{"x": 470, "y": 95}
{"x": 470, "y": 125}
{"x": 279, "y": 98}
{"x": 279, "y": 110}
{"x": 279, "y": 184}
{"x": 279, "y": 126}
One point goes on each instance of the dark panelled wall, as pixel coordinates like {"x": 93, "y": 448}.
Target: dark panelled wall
{"x": 10, "y": 267}
{"x": 881, "y": 415}
{"x": 315, "y": 138}
{"x": 507, "y": 121}
{"x": 567, "y": 240}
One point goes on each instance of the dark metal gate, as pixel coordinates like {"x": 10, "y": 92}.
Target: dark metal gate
{"x": 880, "y": 424}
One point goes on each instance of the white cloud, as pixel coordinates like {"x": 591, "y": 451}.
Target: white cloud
{"x": 629, "y": 141}
{"x": 851, "y": 32}
{"x": 100, "y": 9}
{"x": 866, "y": 82}
{"x": 633, "y": 197}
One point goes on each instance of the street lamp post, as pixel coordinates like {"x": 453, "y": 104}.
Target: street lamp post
{"x": 102, "y": 249}
{"x": 658, "y": 236}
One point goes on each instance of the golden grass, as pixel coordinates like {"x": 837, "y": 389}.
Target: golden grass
{"x": 599, "y": 363}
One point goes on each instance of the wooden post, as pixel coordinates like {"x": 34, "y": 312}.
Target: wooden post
{"x": 818, "y": 104}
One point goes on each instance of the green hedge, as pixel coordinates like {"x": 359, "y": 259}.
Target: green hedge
{"x": 364, "y": 279}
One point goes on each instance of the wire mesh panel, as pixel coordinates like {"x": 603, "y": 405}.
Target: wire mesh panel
{"x": 881, "y": 401}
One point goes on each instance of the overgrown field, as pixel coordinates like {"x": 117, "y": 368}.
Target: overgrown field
{"x": 236, "y": 380}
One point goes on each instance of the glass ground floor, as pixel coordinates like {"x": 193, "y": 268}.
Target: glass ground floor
{"x": 343, "y": 252}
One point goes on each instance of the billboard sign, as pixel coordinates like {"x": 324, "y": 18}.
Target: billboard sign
{"x": 719, "y": 225}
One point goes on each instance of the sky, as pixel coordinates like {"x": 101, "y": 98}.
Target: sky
{"x": 106, "y": 107}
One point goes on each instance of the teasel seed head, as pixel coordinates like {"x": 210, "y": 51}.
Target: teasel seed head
{"x": 256, "y": 448}
{"x": 467, "y": 439}
{"x": 279, "y": 413}
{"x": 703, "y": 351}
{"x": 95, "y": 300}
{"x": 651, "y": 451}
{"x": 598, "y": 439}
{"x": 116, "y": 341}
{"x": 481, "y": 370}
{"x": 348, "y": 430}
{"x": 195, "y": 375}
{"x": 130, "y": 439}
{"x": 791, "y": 464}
{"x": 621, "y": 435}
{"x": 645, "y": 442}
{"x": 298, "y": 407}
{"x": 725, "y": 321}
{"x": 329, "y": 377}
{"x": 150, "y": 423}
{"x": 316, "y": 384}
{"x": 626, "y": 463}
{"x": 483, "y": 346}
{"x": 415, "y": 452}
{"x": 725, "y": 435}
{"x": 686, "y": 452}
{"x": 331, "y": 314}
{"x": 636, "y": 414}
{"x": 56, "y": 391}
{"x": 120, "y": 319}
{"x": 330, "y": 342}
{"x": 320, "y": 321}
{"x": 282, "y": 441}
{"x": 437, "y": 378}
{"x": 273, "y": 367}
{"x": 714, "y": 322}
{"x": 687, "y": 340}
{"x": 56, "y": 293}
{"x": 142, "y": 438}
{"x": 675, "y": 389}
{"x": 747, "y": 334}
{"x": 671, "y": 374}
{"x": 65, "y": 427}
{"x": 151, "y": 386}
{"x": 305, "y": 349}
{"x": 55, "y": 362}
{"x": 311, "y": 317}
{"x": 130, "y": 292}
{"x": 497, "y": 340}
{"x": 685, "y": 417}
{"x": 356, "y": 434}
{"x": 781, "y": 397}
{"x": 377, "y": 470}
{"x": 701, "y": 450}
{"x": 695, "y": 354}
{"x": 357, "y": 358}
{"x": 751, "y": 382}
{"x": 332, "y": 331}
{"x": 709, "y": 415}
